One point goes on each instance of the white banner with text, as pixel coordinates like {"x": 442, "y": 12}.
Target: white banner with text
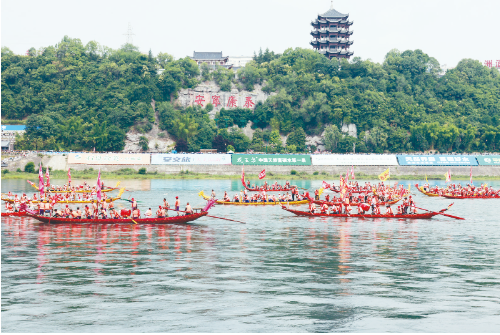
{"x": 191, "y": 159}
{"x": 354, "y": 160}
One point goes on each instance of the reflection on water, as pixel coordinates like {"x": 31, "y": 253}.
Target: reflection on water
{"x": 276, "y": 273}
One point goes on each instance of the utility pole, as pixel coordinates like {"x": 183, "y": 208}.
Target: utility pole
{"x": 129, "y": 34}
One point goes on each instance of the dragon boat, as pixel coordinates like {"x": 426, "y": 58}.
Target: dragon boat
{"x": 421, "y": 190}
{"x": 109, "y": 189}
{"x": 15, "y": 214}
{"x": 367, "y": 216}
{"x": 258, "y": 203}
{"x": 321, "y": 202}
{"x": 167, "y": 220}
{"x": 6, "y": 199}
{"x": 450, "y": 196}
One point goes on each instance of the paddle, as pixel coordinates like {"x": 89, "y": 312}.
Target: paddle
{"x": 451, "y": 216}
{"x": 132, "y": 220}
{"x": 216, "y": 217}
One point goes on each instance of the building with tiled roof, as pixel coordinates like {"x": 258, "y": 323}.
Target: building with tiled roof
{"x": 210, "y": 58}
{"x": 331, "y": 34}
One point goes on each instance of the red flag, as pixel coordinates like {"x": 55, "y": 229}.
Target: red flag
{"x": 69, "y": 175}
{"x": 48, "y": 177}
{"x": 347, "y": 175}
{"x": 99, "y": 185}
{"x": 352, "y": 173}
{"x": 325, "y": 185}
{"x": 40, "y": 180}
{"x": 243, "y": 176}
{"x": 262, "y": 174}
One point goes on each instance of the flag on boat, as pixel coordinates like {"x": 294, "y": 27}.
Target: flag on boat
{"x": 40, "y": 180}
{"x": 262, "y": 174}
{"x": 352, "y": 173}
{"x": 31, "y": 183}
{"x": 470, "y": 174}
{"x": 448, "y": 176}
{"x": 243, "y": 176}
{"x": 99, "y": 185}
{"x": 69, "y": 175}
{"x": 347, "y": 175}
{"x": 325, "y": 185}
{"x": 47, "y": 176}
{"x": 385, "y": 175}
{"x": 426, "y": 179}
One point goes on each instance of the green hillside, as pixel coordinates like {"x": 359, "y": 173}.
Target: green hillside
{"x": 75, "y": 96}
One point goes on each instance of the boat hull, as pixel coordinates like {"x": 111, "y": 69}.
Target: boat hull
{"x": 301, "y": 202}
{"x": 168, "y": 220}
{"x": 15, "y": 214}
{"x": 421, "y": 190}
{"x": 469, "y": 197}
{"x": 365, "y": 216}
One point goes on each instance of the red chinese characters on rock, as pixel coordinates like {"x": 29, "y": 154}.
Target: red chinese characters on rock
{"x": 248, "y": 103}
{"x": 488, "y": 63}
{"x": 199, "y": 100}
{"x": 231, "y": 102}
{"x": 498, "y": 64}
{"x": 216, "y": 100}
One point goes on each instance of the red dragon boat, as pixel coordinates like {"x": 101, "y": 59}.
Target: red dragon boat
{"x": 167, "y": 220}
{"x": 449, "y": 196}
{"x": 15, "y": 214}
{"x": 321, "y": 202}
{"x": 368, "y": 216}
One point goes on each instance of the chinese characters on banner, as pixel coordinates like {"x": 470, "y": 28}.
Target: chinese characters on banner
{"x": 489, "y": 63}
{"x": 217, "y": 100}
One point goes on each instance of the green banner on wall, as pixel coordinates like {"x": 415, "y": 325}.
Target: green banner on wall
{"x": 488, "y": 160}
{"x": 270, "y": 159}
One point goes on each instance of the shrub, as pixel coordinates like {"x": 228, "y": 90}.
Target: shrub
{"x": 30, "y": 167}
{"x": 316, "y": 173}
{"x": 293, "y": 172}
{"x": 142, "y": 170}
{"x": 230, "y": 148}
{"x": 324, "y": 173}
{"x": 5, "y": 171}
{"x": 19, "y": 170}
{"x": 144, "y": 143}
{"x": 161, "y": 135}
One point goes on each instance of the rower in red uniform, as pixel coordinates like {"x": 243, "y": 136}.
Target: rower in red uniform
{"x": 159, "y": 212}
{"x": 316, "y": 195}
{"x": 312, "y": 207}
{"x": 388, "y": 210}
{"x": 324, "y": 208}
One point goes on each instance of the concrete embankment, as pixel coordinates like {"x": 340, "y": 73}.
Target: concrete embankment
{"x": 61, "y": 163}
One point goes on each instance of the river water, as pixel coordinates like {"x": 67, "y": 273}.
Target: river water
{"x": 276, "y": 273}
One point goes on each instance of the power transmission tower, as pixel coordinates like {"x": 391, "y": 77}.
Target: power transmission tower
{"x": 129, "y": 34}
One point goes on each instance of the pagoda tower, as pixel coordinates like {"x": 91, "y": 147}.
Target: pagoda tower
{"x": 331, "y": 34}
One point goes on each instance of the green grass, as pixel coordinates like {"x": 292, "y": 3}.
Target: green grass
{"x": 128, "y": 173}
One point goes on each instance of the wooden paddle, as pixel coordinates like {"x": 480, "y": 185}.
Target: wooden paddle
{"x": 215, "y": 217}
{"x": 132, "y": 220}
{"x": 451, "y": 216}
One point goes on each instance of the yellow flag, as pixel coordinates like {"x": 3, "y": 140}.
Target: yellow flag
{"x": 426, "y": 179}
{"x": 385, "y": 175}
{"x": 320, "y": 191}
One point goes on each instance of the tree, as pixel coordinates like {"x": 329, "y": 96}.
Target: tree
{"x": 181, "y": 145}
{"x": 297, "y": 138}
{"x": 332, "y": 137}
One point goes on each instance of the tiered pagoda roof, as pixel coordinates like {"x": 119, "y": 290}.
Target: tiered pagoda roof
{"x": 326, "y": 24}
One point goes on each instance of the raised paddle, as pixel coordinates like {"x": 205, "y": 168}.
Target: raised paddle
{"x": 451, "y": 216}
{"x": 215, "y": 217}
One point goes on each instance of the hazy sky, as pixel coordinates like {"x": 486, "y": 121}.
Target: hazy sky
{"x": 448, "y": 30}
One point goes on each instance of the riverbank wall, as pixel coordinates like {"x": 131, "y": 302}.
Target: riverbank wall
{"x": 61, "y": 163}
